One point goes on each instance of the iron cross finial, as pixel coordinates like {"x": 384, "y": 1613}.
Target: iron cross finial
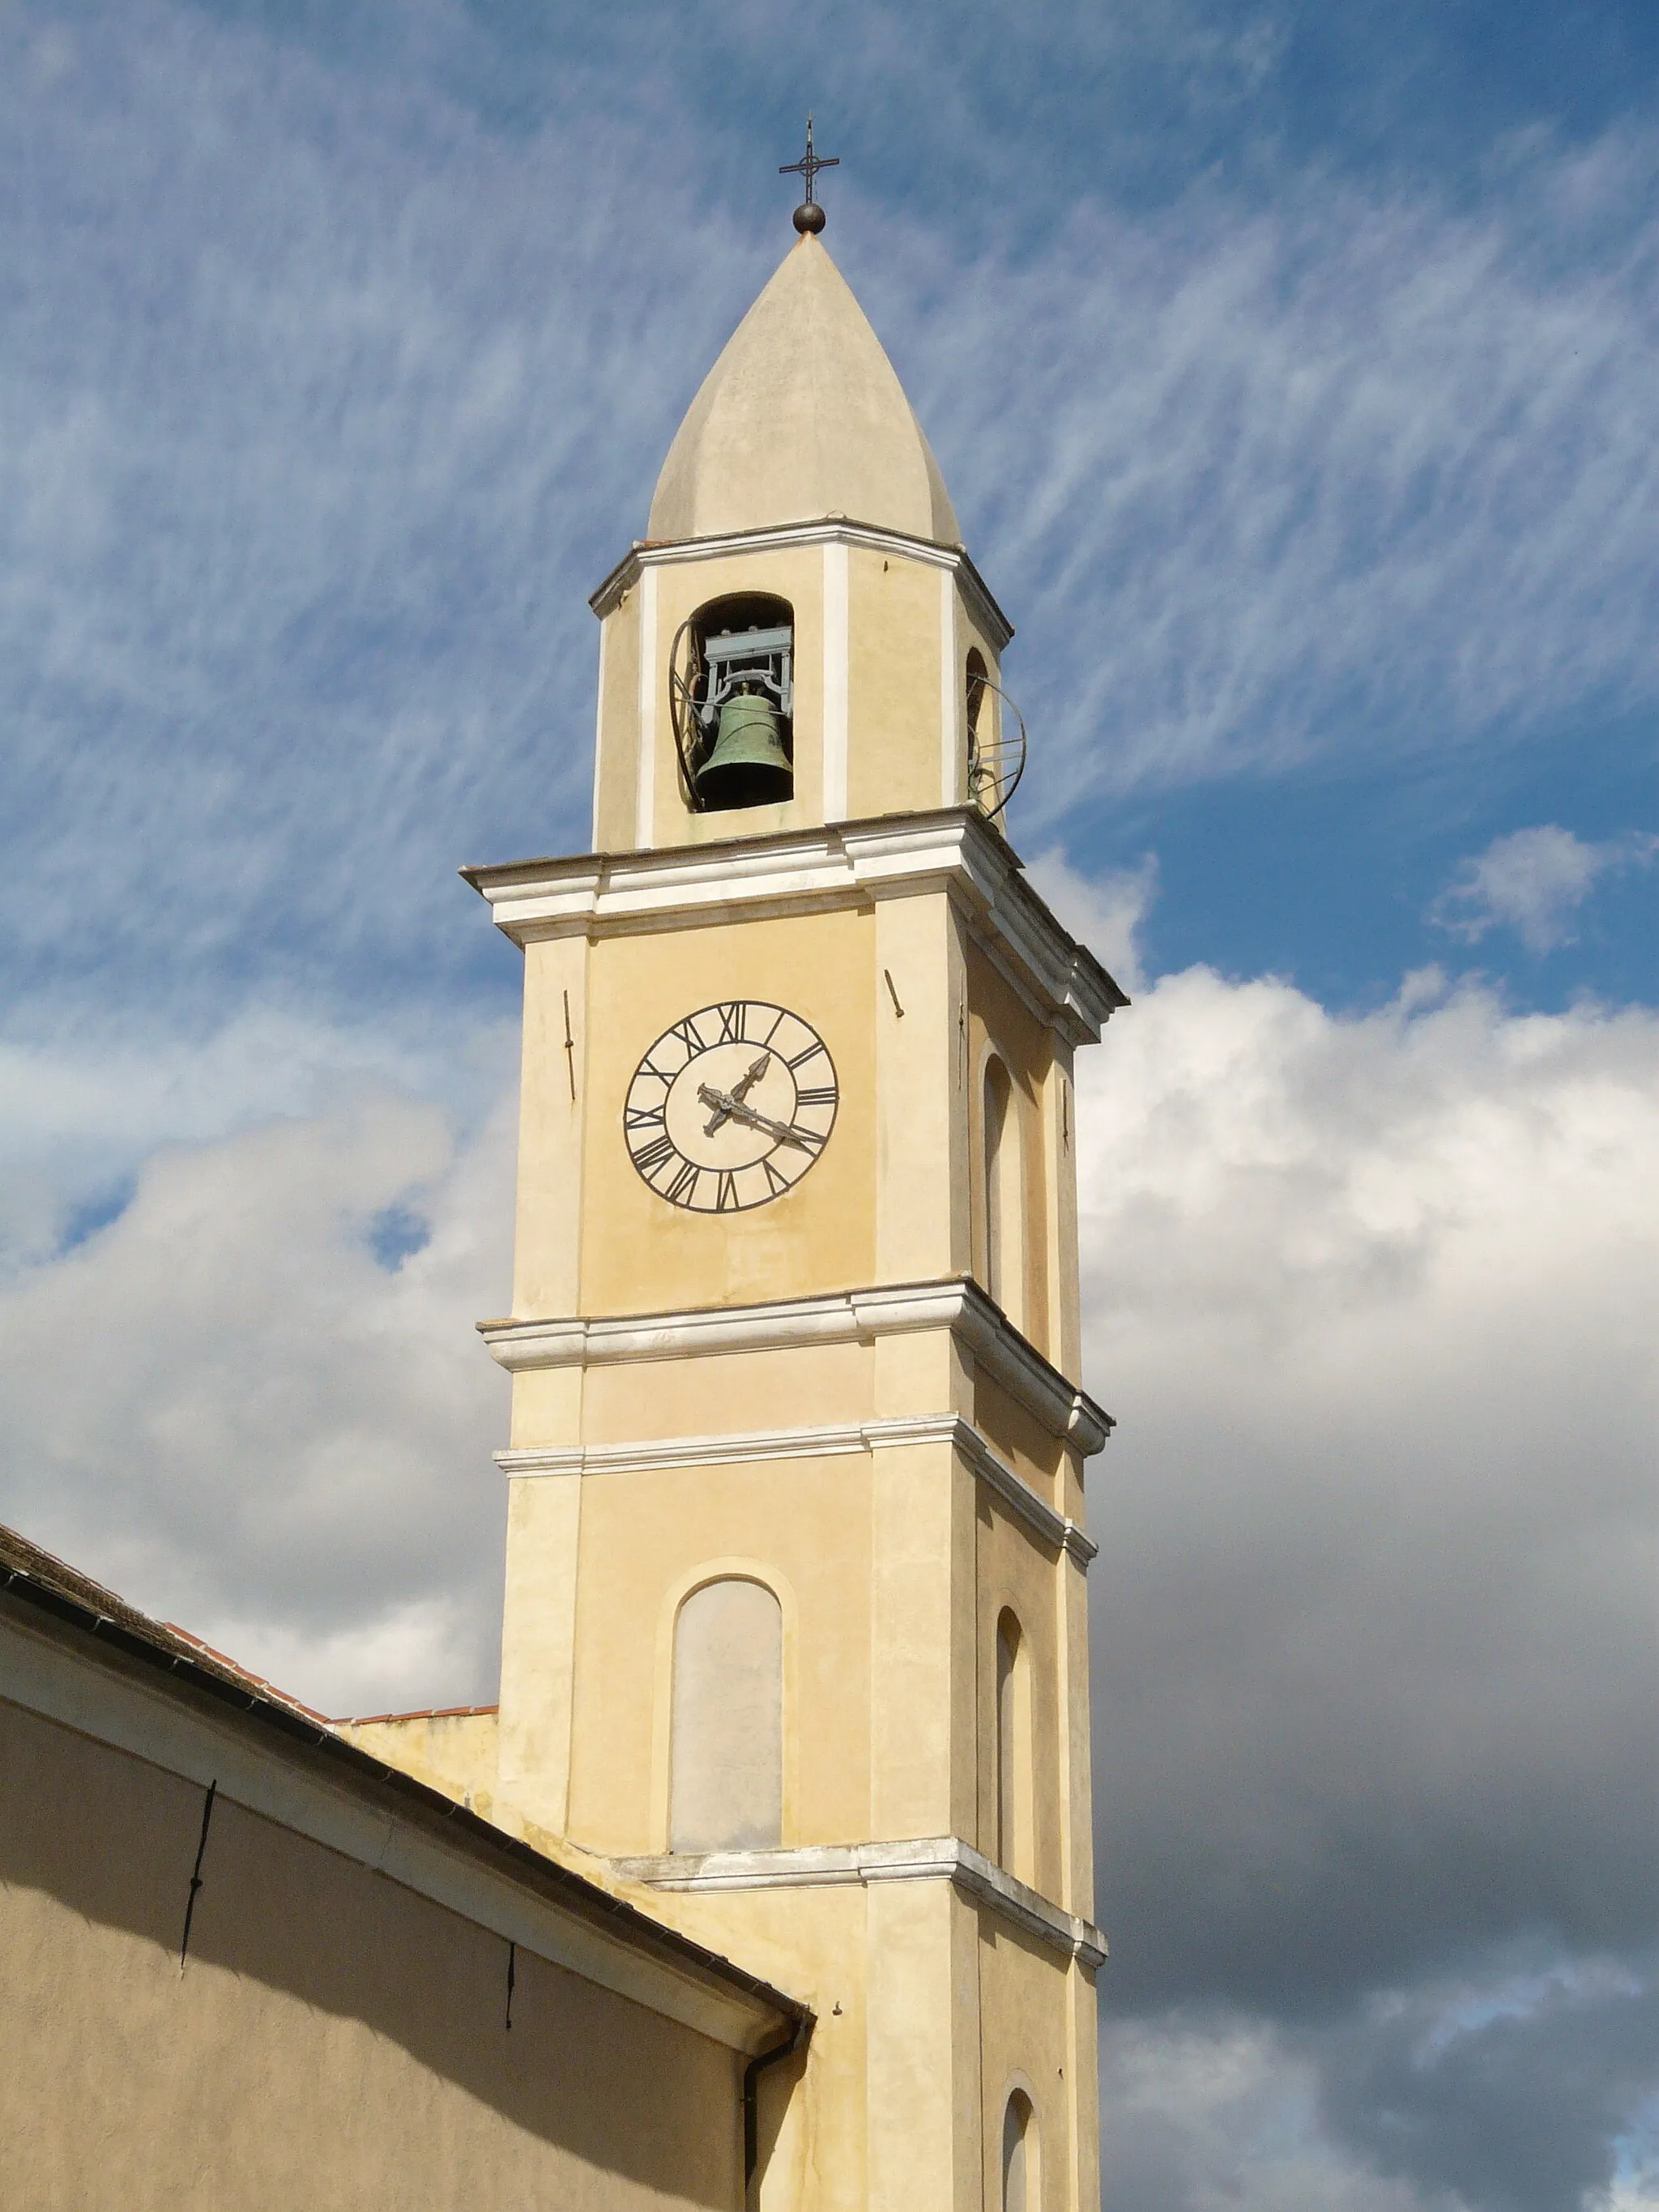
{"x": 809, "y": 216}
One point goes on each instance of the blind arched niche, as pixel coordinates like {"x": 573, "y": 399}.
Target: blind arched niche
{"x": 1020, "y": 2188}
{"x": 726, "y": 1748}
{"x": 1005, "y": 1227}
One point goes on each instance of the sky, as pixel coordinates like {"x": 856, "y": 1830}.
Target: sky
{"x": 1291, "y": 369}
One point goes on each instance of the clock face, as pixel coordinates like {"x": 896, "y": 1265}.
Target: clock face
{"x": 731, "y": 1106}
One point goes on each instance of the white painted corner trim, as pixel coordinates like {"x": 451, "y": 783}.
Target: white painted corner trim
{"x": 928, "y": 1858}
{"x": 836, "y": 1317}
{"x": 828, "y": 1440}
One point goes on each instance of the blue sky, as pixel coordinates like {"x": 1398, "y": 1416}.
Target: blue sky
{"x": 1291, "y": 371}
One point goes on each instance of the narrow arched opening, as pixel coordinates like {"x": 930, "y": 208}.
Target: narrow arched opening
{"x": 726, "y": 1743}
{"x": 1020, "y": 2188}
{"x": 1014, "y": 1790}
{"x": 1005, "y": 1231}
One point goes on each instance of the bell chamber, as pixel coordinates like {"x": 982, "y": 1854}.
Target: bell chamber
{"x": 731, "y": 689}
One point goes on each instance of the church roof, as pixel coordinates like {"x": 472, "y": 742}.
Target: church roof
{"x": 801, "y": 417}
{"x": 52, "y": 1590}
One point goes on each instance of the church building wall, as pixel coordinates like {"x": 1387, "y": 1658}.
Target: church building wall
{"x": 334, "y": 2039}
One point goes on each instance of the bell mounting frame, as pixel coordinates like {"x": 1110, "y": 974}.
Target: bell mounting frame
{"x": 996, "y": 764}
{"x": 686, "y": 674}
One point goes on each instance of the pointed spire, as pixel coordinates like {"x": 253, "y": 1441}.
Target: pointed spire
{"x": 801, "y": 417}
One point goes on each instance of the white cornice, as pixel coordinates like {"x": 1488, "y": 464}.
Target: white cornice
{"x": 832, "y": 529}
{"x": 827, "y": 1440}
{"x": 952, "y": 849}
{"x": 928, "y": 1858}
{"x": 836, "y": 1317}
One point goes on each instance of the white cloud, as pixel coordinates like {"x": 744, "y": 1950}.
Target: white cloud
{"x": 1534, "y": 881}
{"x": 224, "y": 1406}
{"x": 1105, "y": 913}
{"x": 1223, "y": 2117}
{"x": 1374, "y": 1298}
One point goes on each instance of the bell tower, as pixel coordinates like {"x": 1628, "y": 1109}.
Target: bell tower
{"x": 795, "y": 1627}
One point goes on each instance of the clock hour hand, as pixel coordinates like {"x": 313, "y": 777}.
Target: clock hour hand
{"x": 735, "y": 1108}
{"x": 739, "y": 1091}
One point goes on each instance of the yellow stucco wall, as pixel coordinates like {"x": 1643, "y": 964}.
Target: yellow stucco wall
{"x": 451, "y": 1752}
{"x": 335, "y": 2040}
{"x": 889, "y": 669}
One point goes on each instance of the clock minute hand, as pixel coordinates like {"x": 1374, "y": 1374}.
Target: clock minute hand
{"x": 727, "y": 1099}
{"x": 785, "y": 1135}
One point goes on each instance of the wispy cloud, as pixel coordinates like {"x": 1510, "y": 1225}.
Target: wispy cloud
{"x": 325, "y": 402}
{"x": 1533, "y": 882}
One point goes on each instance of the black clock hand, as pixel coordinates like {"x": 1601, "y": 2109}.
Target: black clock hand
{"x": 735, "y": 1108}
{"x": 739, "y": 1090}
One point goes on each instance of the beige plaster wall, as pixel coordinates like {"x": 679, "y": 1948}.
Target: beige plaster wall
{"x": 640, "y": 1253}
{"x": 335, "y": 2041}
{"x": 1016, "y": 1572}
{"x": 1000, "y": 1021}
{"x": 1030, "y": 2040}
{"x": 802, "y": 1527}
{"x": 895, "y": 683}
{"x": 901, "y": 687}
{"x": 451, "y": 1752}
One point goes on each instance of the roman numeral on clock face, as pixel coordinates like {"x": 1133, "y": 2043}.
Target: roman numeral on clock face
{"x": 649, "y": 1158}
{"x": 823, "y": 1096}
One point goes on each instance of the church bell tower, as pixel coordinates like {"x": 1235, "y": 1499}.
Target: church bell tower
{"x": 795, "y": 1623}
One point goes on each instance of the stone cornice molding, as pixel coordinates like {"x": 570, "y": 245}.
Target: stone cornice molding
{"x": 831, "y": 530}
{"x": 827, "y": 1440}
{"x": 953, "y": 849}
{"x": 836, "y": 1317}
{"x": 928, "y": 1858}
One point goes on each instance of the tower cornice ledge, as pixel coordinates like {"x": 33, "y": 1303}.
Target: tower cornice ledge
{"x": 925, "y": 1858}
{"x": 827, "y": 530}
{"x": 804, "y": 871}
{"x": 954, "y": 1301}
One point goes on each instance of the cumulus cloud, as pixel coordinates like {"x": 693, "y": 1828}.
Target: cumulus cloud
{"x": 1533, "y": 882}
{"x": 249, "y": 1408}
{"x": 1375, "y": 1652}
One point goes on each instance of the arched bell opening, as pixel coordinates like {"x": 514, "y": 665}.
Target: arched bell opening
{"x": 731, "y": 687}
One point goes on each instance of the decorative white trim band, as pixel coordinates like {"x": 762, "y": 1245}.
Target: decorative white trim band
{"x": 837, "y": 1317}
{"x": 952, "y": 849}
{"x": 930, "y": 1858}
{"x": 834, "y": 530}
{"x": 826, "y": 1441}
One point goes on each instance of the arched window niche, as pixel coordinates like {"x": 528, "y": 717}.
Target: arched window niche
{"x": 1005, "y": 1227}
{"x": 1021, "y": 2180}
{"x": 1015, "y": 1791}
{"x": 726, "y": 1743}
{"x": 731, "y": 687}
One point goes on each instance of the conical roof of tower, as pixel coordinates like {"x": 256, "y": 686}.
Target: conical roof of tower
{"x": 802, "y": 416}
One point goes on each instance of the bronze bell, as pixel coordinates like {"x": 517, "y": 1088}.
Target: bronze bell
{"x": 748, "y": 766}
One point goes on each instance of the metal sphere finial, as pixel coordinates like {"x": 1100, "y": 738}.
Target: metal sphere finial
{"x": 809, "y": 216}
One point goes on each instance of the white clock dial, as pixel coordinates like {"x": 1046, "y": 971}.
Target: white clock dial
{"x": 731, "y": 1106}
